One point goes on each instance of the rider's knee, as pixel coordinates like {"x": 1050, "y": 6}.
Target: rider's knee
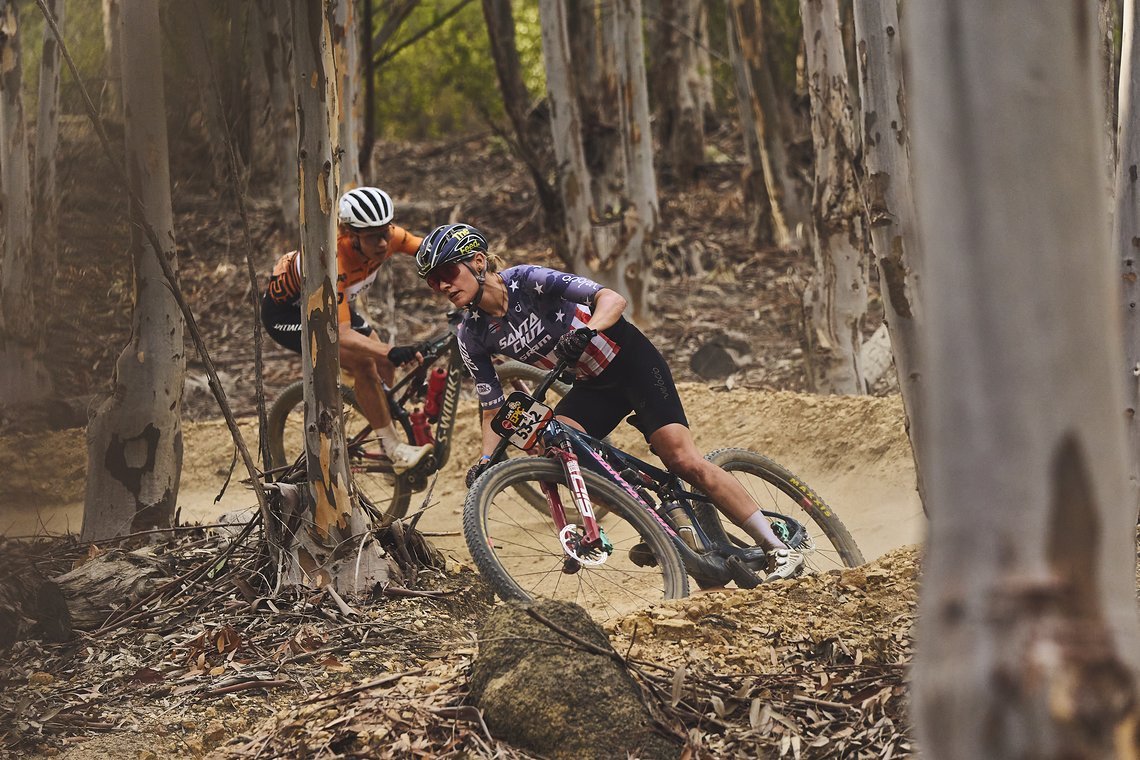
{"x": 689, "y": 465}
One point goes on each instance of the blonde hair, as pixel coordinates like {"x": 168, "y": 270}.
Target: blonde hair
{"x": 494, "y": 261}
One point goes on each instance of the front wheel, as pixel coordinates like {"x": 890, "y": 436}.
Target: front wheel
{"x": 371, "y": 471}
{"x": 775, "y": 489}
{"x": 518, "y": 552}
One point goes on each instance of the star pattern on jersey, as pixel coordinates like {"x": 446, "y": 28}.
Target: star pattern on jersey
{"x": 475, "y": 316}
{"x": 559, "y": 316}
{"x": 514, "y": 285}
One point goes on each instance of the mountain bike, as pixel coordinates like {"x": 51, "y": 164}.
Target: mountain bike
{"x": 656, "y": 535}
{"x": 424, "y": 405}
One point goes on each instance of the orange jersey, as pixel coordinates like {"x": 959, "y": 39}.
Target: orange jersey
{"x": 354, "y": 272}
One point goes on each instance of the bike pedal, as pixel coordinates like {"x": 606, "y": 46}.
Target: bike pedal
{"x": 741, "y": 574}
{"x": 641, "y": 555}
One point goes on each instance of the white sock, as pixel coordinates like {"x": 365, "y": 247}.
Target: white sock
{"x": 389, "y": 439}
{"x": 760, "y": 530}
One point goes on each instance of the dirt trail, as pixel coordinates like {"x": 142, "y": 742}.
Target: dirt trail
{"x": 852, "y": 450}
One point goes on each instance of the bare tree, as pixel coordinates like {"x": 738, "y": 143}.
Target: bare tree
{"x": 835, "y": 301}
{"x": 678, "y": 89}
{"x": 112, "y": 100}
{"x": 609, "y": 196}
{"x": 1126, "y": 234}
{"x": 22, "y": 372}
{"x": 889, "y": 197}
{"x": 517, "y": 102}
{"x": 279, "y": 117}
{"x": 47, "y": 145}
{"x": 330, "y": 541}
{"x": 771, "y": 194}
{"x": 346, "y": 48}
{"x": 1027, "y": 638}
{"x": 134, "y": 441}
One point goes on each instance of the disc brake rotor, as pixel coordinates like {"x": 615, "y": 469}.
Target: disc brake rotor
{"x": 571, "y": 541}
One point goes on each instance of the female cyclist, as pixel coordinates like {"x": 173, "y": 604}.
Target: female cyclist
{"x": 365, "y": 239}
{"x": 539, "y": 316}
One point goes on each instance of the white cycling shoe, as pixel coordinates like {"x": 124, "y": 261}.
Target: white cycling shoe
{"x": 407, "y": 457}
{"x": 784, "y": 564}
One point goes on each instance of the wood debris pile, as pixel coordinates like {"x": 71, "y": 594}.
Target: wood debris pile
{"x": 809, "y": 668}
{"x": 211, "y": 634}
{"x": 814, "y": 667}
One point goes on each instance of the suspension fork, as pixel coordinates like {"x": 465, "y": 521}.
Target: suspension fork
{"x": 563, "y": 451}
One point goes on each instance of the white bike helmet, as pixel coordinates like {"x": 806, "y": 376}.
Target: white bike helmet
{"x": 365, "y": 207}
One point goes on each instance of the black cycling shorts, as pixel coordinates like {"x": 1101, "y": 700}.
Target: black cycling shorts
{"x": 638, "y": 380}
{"x": 283, "y": 322}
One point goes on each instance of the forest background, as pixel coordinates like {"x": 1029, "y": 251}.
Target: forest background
{"x": 728, "y": 233}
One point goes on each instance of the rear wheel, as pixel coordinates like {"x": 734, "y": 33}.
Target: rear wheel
{"x": 775, "y": 489}
{"x": 371, "y": 471}
{"x": 519, "y": 554}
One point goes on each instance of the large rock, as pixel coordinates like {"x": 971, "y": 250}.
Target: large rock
{"x": 540, "y": 692}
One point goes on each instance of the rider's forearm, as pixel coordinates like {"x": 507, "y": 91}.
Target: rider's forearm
{"x": 608, "y": 308}
{"x": 351, "y": 340}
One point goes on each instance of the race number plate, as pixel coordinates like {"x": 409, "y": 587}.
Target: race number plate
{"x": 521, "y": 419}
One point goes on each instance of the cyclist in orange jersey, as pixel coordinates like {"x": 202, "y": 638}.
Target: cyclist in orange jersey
{"x": 366, "y": 238}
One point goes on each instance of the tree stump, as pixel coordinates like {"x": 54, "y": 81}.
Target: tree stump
{"x": 541, "y": 692}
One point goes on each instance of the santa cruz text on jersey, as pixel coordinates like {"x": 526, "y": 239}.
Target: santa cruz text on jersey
{"x": 542, "y": 305}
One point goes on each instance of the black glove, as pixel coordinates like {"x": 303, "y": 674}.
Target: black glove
{"x": 477, "y": 470}
{"x": 400, "y": 355}
{"x": 571, "y": 345}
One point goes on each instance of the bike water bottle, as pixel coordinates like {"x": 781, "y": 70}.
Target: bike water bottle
{"x": 437, "y": 381}
{"x": 421, "y": 428}
{"x": 683, "y": 523}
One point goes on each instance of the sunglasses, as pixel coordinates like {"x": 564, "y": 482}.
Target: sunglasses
{"x": 442, "y": 273}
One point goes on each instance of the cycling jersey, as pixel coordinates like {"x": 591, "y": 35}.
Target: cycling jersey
{"x": 542, "y": 306}
{"x": 354, "y": 272}
{"x": 620, "y": 371}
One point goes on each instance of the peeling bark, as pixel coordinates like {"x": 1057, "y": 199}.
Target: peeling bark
{"x": 1028, "y": 643}
{"x": 835, "y": 301}
{"x": 134, "y": 441}
{"x": 330, "y": 537}
{"x": 1126, "y": 236}
{"x": 889, "y": 199}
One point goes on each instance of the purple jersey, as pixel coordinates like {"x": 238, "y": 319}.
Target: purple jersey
{"x": 542, "y": 306}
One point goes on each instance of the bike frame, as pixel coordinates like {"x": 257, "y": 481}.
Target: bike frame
{"x": 574, "y": 449}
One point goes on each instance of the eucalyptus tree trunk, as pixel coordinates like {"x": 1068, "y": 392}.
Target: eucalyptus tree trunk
{"x": 680, "y": 116}
{"x": 192, "y": 24}
{"x": 771, "y": 194}
{"x": 610, "y": 196}
{"x": 566, "y": 131}
{"x": 22, "y": 373}
{"x": 835, "y": 301}
{"x": 346, "y": 47}
{"x": 134, "y": 441}
{"x": 331, "y": 540}
{"x": 517, "y": 102}
{"x": 1106, "y": 26}
{"x": 1027, "y": 638}
{"x": 281, "y": 110}
{"x": 112, "y": 100}
{"x": 889, "y": 198}
{"x": 1126, "y": 234}
{"x": 585, "y": 44}
{"x": 47, "y": 146}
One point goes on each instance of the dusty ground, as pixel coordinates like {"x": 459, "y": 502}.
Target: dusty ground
{"x": 852, "y": 450}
